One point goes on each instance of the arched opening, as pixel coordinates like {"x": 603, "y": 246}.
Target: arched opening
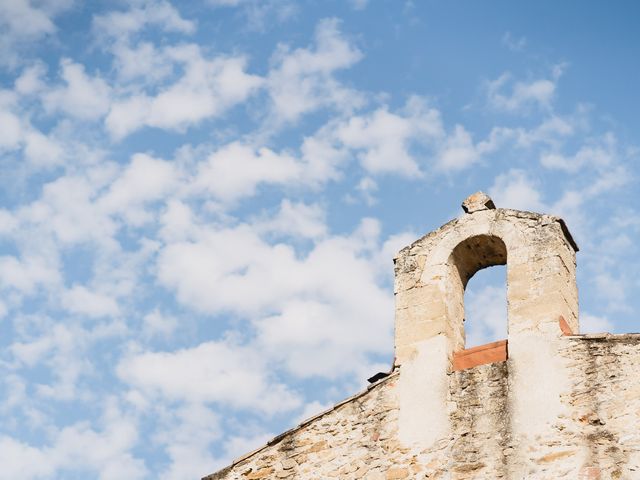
{"x": 485, "y": 307}
{"x": 479, "y": 311}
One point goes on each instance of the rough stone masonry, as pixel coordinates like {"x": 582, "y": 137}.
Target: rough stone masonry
{"x": 548, "y": 403}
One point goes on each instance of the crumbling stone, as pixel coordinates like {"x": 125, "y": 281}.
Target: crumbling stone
{"x": 476, "y": 202}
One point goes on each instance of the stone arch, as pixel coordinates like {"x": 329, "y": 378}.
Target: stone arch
{"x": 432, "y": 272}
{"x": 466, "y": 259}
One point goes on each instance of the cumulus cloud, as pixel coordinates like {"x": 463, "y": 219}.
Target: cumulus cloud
{"x": 220, "y": 372}
{"x": 144, "y": 180}
{"x": 31, "y": 79}
{"x": 158, "y": 324}
{"x": 40, "y": 151}
{"x": 236, "y": 170}
{"x": 296, "y": 219}
{"x": 11, "y": 132}
{"x": 27, "y": 274}
{"x": 507, "y": 94}
{"x": 315, "y": 307}
{"x": 26, "y": 21}
{"x": 119, "y": 24}
{"x": 82, "y": 301}
{"x": 82, "y": 96}
{"x": 187, "y": 437}
{"x": 594, "y": 324}
{"x": 515, "y": 189}
{"x": 61, "y": 351}
{"x": 384, "y": 140}
{"x": 104, "y": 453}
{"x": 302, "y": 80}
{"x": 458, "y": 151}
{"x": 67, "y": 210}
{"x": 207, "y": 88}
{"x": 597, "y": 155}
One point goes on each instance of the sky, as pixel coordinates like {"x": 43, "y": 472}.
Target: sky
{"x": 200, "y": 202}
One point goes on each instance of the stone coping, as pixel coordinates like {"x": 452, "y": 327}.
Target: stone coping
{"x": 614, "y": 337}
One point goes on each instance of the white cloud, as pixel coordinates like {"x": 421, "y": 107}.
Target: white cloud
{"x": 322, "y": 159}
{"x": 187, "y": 438}
{"x": 8, "y": 222}
{"x": 20, "y": 460}
{"x": 11, "y": 131}
{"x": 225, "y": 3}
{"x": 367, "y": 187}
{"x": 143, "y": 61}
{"x": 176, "y": 221}
{"x": 516, "y": 190}
{"x": 144, "y": 180}
{"x": 222, "y": 372}
{"x": 515, "y": 44}
{"x": 39, "y": 150}
{"x": 303, "y": 307}
{"x": 302, "y": 81}
{"x": 206, "y": 89}
{"x": 383, "y": 136}
{"x": 83, "y": 301}
{"x": 42, "y": 150}
{"x": 82, "y": 96}
{"x": 594, "y": 324}
{"x": 27, "y": 274}
{"x": 158, "y": 324}
{"x": 458, "y": 151}
{"x": 77, "y": 447}
{"x": 384, "y": 139}
{"x": 552, "y": 132}
{"x": 25, "y": 21}
{"x": 119, "y": 24}
{"x": 67, "y": 209}
{"x": 296, "y": 219}
{"x": 597, "y": 155}
{"x": 522, "y": 95}
{"x": 359, "y": 4}
{"x": 613, "y": 290}
{"x": 236, "y": 170}
{"x": 236, "y": 445}
{"x": 60, "y": 351}
{"x": 31, "y": 79}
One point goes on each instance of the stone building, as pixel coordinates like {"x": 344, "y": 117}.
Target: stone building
{"x": 545, "y": 403}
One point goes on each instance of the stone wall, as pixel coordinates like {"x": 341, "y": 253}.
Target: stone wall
{"x": 596, "y": 437}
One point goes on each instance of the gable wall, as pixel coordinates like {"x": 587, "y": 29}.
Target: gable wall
{"x": 597, "y": 435}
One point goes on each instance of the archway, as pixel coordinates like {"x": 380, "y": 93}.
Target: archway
{"x": 470, "y": 256}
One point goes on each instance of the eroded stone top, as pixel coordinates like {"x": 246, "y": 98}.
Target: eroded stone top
{"x": 478, "y": 201}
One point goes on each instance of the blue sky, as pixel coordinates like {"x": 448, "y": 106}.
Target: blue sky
{"x": 200, "y": 202}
